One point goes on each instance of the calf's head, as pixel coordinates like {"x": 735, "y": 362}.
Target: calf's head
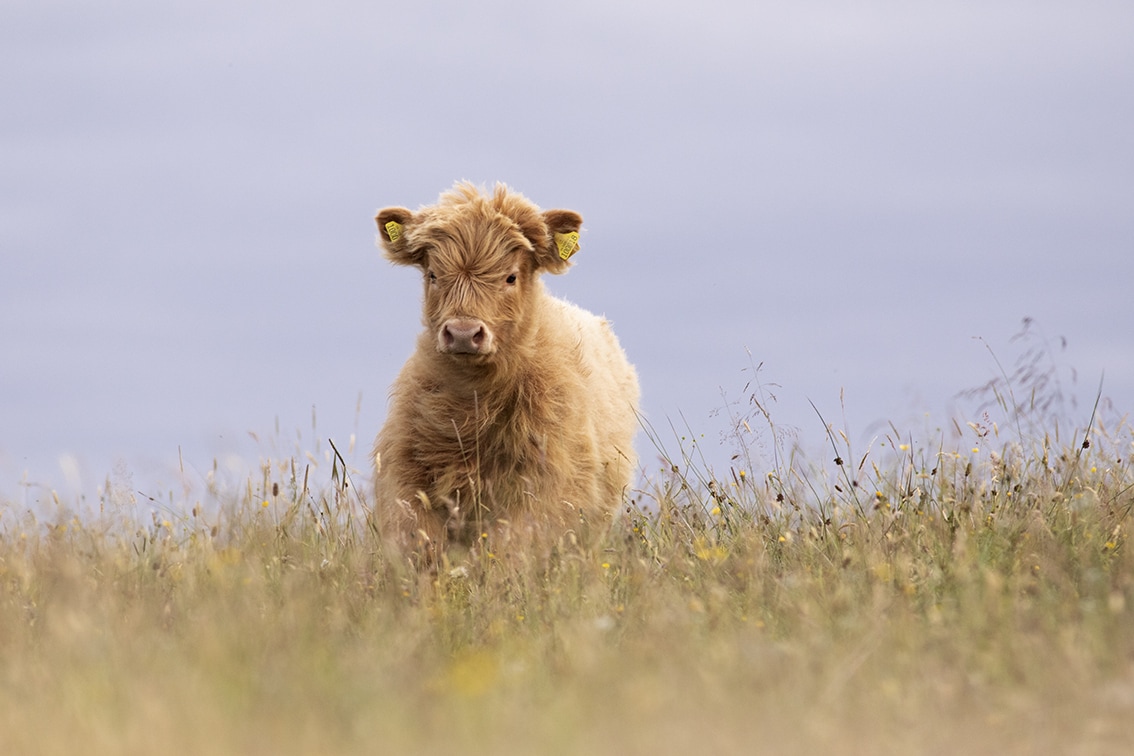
{"x": 480, "y": 255}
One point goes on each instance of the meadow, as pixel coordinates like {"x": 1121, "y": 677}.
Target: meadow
{"x": 967, "y": 590}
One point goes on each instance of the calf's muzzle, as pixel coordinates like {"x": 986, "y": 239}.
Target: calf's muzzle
{"x": 464, "y": 336}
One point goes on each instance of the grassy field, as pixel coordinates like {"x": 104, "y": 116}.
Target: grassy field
{"x": 916, "y": 597}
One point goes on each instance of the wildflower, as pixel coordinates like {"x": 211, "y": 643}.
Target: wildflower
{"x": 707, "y": 552}
{"x": 265, "y": 503}
{"x": 472, "y": 674}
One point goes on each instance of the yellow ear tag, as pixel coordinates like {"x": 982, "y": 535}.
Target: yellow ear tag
{"x": 568, "y": 244}
{"x": 394, "y": 230}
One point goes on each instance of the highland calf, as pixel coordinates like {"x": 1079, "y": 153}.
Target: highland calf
{"x": 515, "y": 416}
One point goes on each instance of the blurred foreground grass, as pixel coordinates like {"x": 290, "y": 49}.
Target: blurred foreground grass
{"x": 914, "y": 599}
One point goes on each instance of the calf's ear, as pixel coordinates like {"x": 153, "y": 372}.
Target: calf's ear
{"x": 561, "y": 241}
{"x": 393, "y": 225}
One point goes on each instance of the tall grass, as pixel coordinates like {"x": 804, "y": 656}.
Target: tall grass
{"x": 969, "y": 594}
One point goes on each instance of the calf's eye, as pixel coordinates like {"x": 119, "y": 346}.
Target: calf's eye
{"x": 511, "y": 279}
{"x": 432, "y": 277}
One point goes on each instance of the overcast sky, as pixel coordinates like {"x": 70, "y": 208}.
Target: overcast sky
{"x": 845, "y": 193}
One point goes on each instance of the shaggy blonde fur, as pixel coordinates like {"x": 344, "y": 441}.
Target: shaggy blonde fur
{"x": 516, "y": 414}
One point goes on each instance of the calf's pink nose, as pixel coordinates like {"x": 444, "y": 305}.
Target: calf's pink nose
{"x": 463, "y": 336}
